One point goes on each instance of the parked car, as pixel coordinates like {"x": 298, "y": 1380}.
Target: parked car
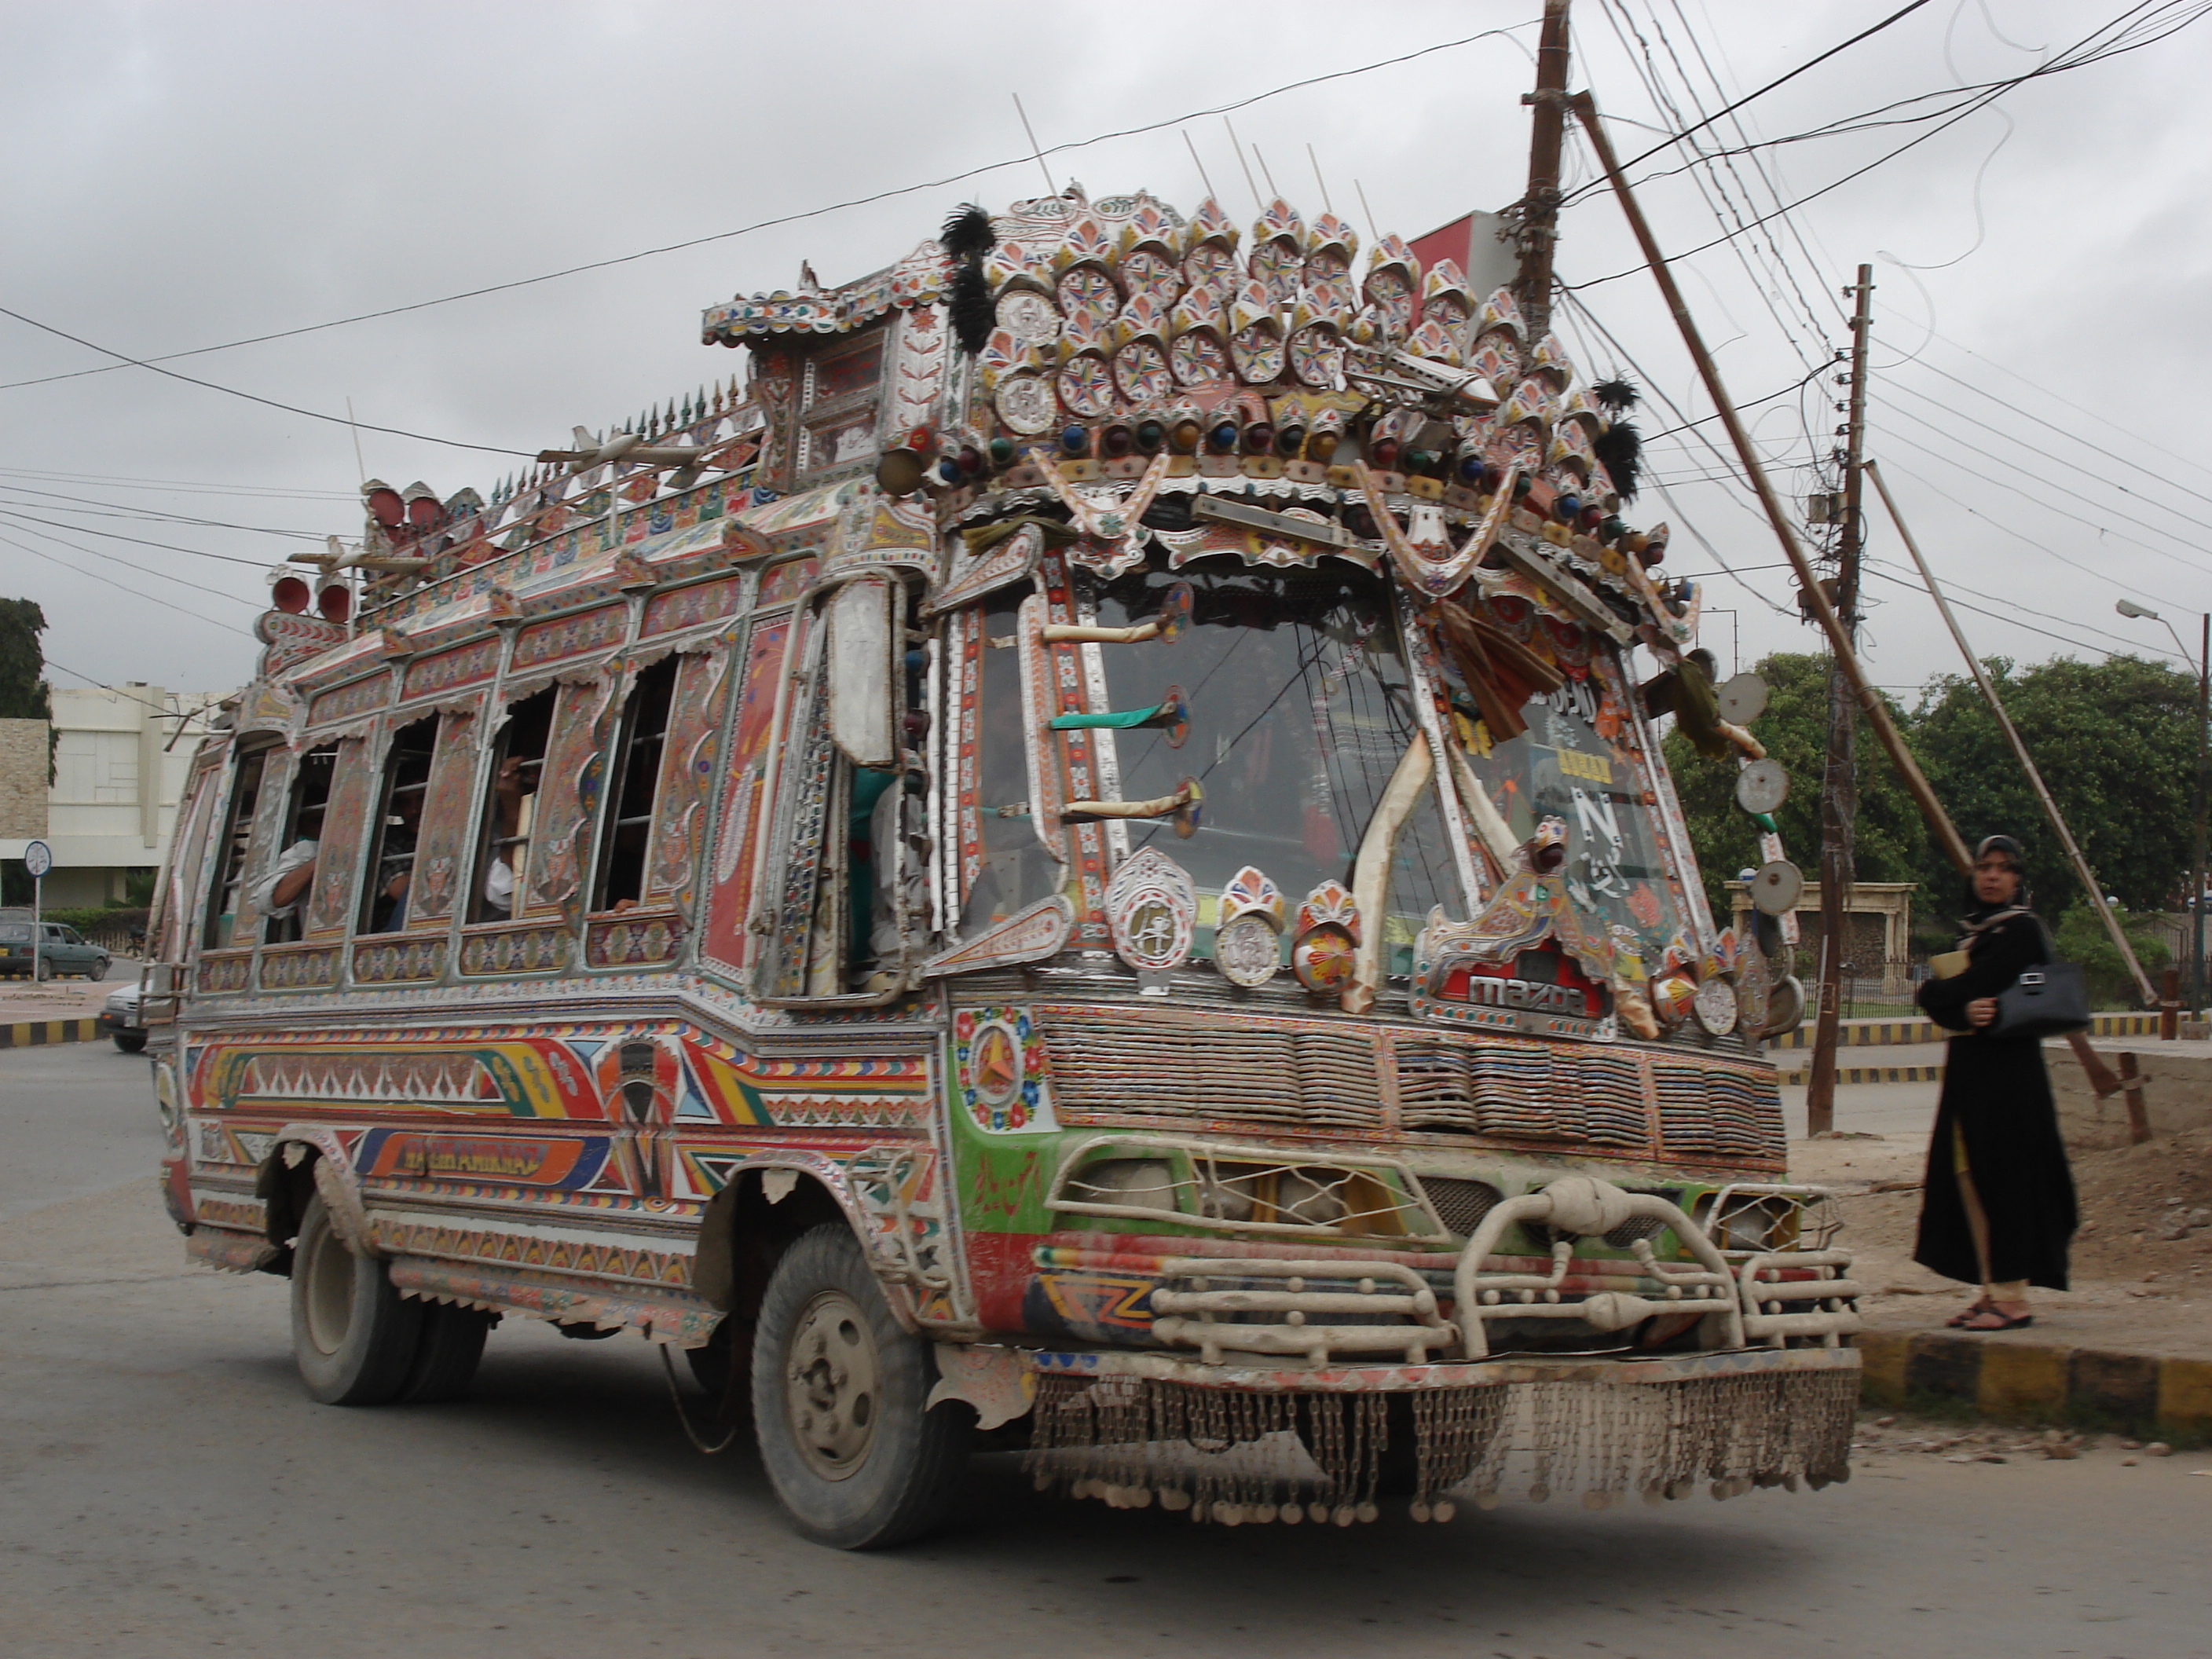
{"x": 60, "y": 950}
{"x": 118, "y": 1018}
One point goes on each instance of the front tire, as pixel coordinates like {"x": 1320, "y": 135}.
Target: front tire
{"x": 354, "y": 1336}
{"x": 131, "y": 1043}
{"x": 840, "y": 1403}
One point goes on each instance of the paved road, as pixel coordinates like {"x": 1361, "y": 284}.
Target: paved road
{"x": 165, "y": 1489}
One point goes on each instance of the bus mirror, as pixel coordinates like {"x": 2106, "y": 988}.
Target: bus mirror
{"x": 860, "y": 668}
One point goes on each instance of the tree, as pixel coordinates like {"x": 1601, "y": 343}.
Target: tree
{"x": 2116, "y": 742}
{"x": 1889, "y": 839}
{"x": 22, "y": 664}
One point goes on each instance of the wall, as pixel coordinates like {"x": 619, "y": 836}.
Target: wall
{"x": 22, "y": 779}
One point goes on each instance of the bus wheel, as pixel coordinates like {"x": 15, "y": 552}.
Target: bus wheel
{"x": 840, "y": 1402}
{"x": 447, "y": 1355}
{"x": 353, "y": 1335}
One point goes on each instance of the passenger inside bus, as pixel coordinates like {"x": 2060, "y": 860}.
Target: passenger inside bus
{"x": 392, "y": 861}
{"x": 282, "y": 892}
{"x": 511, "y": 812}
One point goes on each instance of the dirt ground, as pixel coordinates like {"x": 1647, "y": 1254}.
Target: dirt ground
{"x": 2137, "y": 1287}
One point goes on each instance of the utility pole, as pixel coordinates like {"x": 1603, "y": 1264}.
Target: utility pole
{"x": 1538, "y": 212}
{"x": 2197, "y": 872}
{"x": 1840, "y": 784}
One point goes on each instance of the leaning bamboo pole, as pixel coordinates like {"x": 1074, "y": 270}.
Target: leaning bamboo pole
{"x": 2081, "y": 869}
{"x": 1877, "y": 713}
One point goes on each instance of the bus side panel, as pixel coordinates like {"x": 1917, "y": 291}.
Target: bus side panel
{"x": 731, "y": 879}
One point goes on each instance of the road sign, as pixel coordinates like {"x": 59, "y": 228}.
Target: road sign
{"x": 38, "y": 858}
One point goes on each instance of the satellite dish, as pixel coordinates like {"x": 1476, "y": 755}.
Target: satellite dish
{"x": 1777, "y": 887}
{"x": 1742, "y": 698}
{"x": 1762, "y": 785}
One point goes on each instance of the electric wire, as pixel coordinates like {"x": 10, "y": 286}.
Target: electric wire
{"x": 21, "y": 518}
{"x": 121, "y": 587}
{"x": 92, "y": 508}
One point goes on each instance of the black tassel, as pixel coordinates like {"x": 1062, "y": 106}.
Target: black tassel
{"x": 1620, "y": 446}
{"x": 1617, "y": 395}
{"x": 968, "y": 233}
{"x": 973, "y": 315}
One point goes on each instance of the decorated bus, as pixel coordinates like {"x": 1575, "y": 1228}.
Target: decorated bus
{"x": 1078, "y": 861}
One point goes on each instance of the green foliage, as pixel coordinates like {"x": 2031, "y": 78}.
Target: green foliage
{"x": 22, "y": 664}
{"x": 2080, "y": 937}
{"x": 1890, "y": 839}
{"x": 2116, "y": 742}
{"x": 103, "y": 918}
{"x": 138, "y": 887}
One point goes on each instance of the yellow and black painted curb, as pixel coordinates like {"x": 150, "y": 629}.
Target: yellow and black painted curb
{"x": 1872, "y": 1074}
{"x": 1893, "y": 1033}
{"x": 31, "y": 1033}
{"x": 2007, "y": 1379}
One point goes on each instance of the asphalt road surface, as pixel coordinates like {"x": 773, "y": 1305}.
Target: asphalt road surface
{"x": 166, "y": 1488}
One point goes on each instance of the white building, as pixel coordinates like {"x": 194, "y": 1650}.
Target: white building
{"x": 120, "y": 758}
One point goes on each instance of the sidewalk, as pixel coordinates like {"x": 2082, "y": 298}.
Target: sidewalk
{"x": 58, "y": 1010}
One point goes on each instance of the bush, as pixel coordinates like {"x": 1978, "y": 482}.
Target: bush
{"x": 2082, "y": 938}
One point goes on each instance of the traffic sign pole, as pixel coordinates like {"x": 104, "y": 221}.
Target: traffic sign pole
{"x": 38, "y": 858}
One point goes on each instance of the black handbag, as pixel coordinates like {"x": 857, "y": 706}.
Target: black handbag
{"x": 2049, "y": 999}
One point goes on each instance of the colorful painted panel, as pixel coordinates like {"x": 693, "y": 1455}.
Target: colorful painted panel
{"x": 351, "y": 701}
{"x": 226, "y": 970}
{"x": 395, "y": 960}
{"x": 746, "y": 769}
{"x": 780, "y": 584}
{"x": 885, "y": 1092}
{"x": 570, "y": 800}
{"x": 565, "y": 1162}
{"x": 569, "y": 636}
{"x": 1001, "y": 1066}
{"x": 632, "y": 941}
{"x": 299, "y": 966}
{"x": 353, "y": 788}
{"x": 514, "y": 950}
{"x": 449, "y": 671}
{"x": 441, "y": 845}
{"x": 534, "y": 1076}
{"x": 688, "y": 607}
{"x": 687, "y": 777}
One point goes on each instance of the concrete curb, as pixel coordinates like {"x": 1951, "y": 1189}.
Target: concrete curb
{"x": 2011, "y": 1379}
{"x": 31, "y": 1033}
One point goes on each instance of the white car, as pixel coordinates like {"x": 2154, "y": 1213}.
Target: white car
{"x": 118, "y": 1018}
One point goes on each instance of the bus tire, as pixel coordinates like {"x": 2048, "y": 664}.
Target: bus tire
{"x": 131, "y": 1043}
{"x": 447, "y": 1354}
{"x": 839, "y": 1401}
{"x": 354, "y": 1336}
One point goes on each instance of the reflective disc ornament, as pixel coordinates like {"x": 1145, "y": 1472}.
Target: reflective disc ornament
{"x": 1248, "y": 950}
{"x": 1762, "y": 785}
{"x": 1742, "y": 698}
{"x": 1777, "y": 887}
{"x": 1716, "y": 1010}
{"x": 1785, "y": 1006}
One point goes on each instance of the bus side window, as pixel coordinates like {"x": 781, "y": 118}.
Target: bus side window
{"x": 223, "y": 894}
{"x": 518, "y": 765}
{"x": 848, "y": 877}
{"x": 283, "y": 886}
{"x": 393, "y": 829}
{"x": 633, "y": 773}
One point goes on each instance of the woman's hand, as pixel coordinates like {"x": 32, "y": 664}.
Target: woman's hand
{"x": 1982, "y": 1011}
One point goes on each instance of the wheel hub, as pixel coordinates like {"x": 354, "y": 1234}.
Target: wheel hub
{"x": 831, "y": 1381}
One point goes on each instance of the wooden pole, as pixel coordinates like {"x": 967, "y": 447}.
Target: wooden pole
{"x": 1839, "y": 784}
{"x": 2082, "y": 869}
{"x": 1539, "y": 227}
{"x": 1877, "y": 712}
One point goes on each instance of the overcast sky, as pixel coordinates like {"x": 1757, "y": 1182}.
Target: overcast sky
{"x": 185, "y": 175}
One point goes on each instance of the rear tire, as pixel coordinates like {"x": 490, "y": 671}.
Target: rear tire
{"x": 354, "y": 1336}
{"x": 44, "y": 971}
{"x": 99, "y": 969}
{"x": 840, "y": 1403}
{"x": 447, "y": 1354}
{"x": 131, "y": 1043}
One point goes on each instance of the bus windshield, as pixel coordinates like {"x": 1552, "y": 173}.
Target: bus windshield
{"x": 1301, "y": 705}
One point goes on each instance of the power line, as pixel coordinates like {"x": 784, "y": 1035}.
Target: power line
{"x": 99, "y": 509}
{"x": 121, "y": 481}
{"x": 117, "y": 536}
{"x": 1028, "y": 159}
{"x": 255, "y": 397}
{"x": 166, "y": 605}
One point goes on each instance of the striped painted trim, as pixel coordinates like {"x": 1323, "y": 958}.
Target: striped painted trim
{"x": 1863, "y": 1033}
{"x": 1870, "y": 1074}
{"x": 2006, "y": 1378}
{"x": 30, "y": 1033}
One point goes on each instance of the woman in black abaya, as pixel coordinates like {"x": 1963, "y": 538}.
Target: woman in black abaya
{"x": 1997, "y": 1204}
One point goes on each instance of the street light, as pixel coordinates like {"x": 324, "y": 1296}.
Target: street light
{"x": 2130, "y": 608}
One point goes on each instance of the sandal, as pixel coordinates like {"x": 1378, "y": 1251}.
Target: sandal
{"x": 2004, "y": 1322}
{"x": 1958, "y": 1321}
